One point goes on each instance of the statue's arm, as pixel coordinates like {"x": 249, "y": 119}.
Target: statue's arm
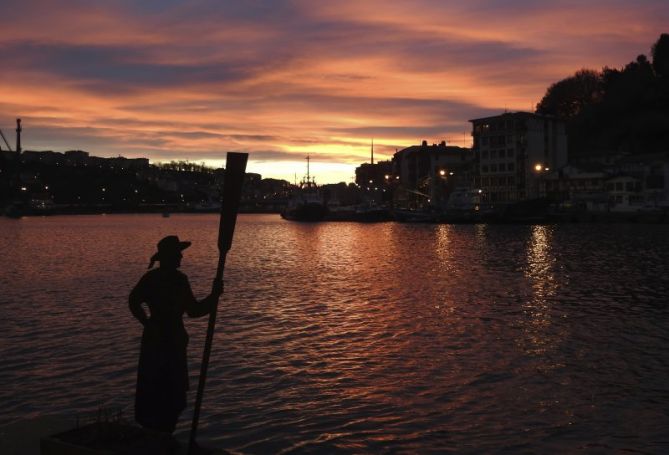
{"x": 135, "y": 303}
{"x": 197, "y": 309}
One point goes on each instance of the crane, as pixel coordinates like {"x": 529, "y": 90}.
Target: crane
{"x": 18, "y": 137}
{"x": 6, "y": 143}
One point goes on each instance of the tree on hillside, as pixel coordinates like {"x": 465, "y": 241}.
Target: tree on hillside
{"x": 660, "y": 52}
{"x": 624, "y": 109}
{"x": 567, "y": 98}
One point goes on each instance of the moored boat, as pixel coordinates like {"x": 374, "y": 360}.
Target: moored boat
{"x": 406, "y": 215}
{"x": 306, "y": 203}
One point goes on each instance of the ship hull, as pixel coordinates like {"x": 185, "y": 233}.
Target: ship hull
{"x": 305, "y": 212}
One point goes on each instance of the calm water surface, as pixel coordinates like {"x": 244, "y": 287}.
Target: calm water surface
{"x": 357, "y": 338}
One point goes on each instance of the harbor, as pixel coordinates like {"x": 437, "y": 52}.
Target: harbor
{"x": 357, "y": 337}
{"x": 513, "y": 181}
{"x": 288, "y": 227}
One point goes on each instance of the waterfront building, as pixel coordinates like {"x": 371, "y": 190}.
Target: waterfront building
{"x": 625, "y": 194}
{"x": 631, "y": 183}
{"x": 123, "y": 163}
{"x": 431, "y": 172}
{"x": 514, "y": 151}
{"x": 576, "y": 187}
{"x": 372, "y": 174}
{"x": 76, "y": 158}
{"x": 652, "y": 169}
{"x": 46, "y": 157}
{"x": 8, "y": 155}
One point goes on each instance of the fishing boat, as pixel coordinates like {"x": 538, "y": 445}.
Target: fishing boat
{"x": 363, "y": 213}
{"x": 410, "y": 215}
{"x": 465, "y": 205}
{"x": 306, "y": 203}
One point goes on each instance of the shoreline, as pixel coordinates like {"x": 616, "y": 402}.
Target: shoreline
{"x": 641, "y": 217}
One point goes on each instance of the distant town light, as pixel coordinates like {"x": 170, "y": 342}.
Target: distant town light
{"x": 442, "y": 172}
{"x": 538, "y": 167}
{"x": 450, "y": 173}
{"x": 23, "y": 188}
{"x": 371, "y": 181}
{"x": 386, "y": 176}
{"x": 546, "y": 169}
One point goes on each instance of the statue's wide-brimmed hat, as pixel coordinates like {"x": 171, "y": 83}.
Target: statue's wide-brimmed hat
{"x": 168, "y": 246}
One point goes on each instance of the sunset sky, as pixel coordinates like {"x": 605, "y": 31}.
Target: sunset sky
{"x": 173, "y": 80}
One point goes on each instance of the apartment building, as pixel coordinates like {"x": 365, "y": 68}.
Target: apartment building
{"x": 514, "y": 151}
{"x": 433, "y": 170}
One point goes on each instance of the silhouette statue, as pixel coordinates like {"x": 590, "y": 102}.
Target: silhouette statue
{"x": 162, "y": 375}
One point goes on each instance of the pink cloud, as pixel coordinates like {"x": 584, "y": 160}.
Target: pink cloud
{"x": 195, "y": 79}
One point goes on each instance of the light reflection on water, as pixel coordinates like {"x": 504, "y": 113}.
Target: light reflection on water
{"x": 350, "y": 338}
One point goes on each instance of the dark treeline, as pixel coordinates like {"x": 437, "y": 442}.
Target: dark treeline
{"x": 615, "y": 110}
{"x": 186, "y": 166}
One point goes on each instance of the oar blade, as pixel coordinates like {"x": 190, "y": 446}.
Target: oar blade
{"x": 235, "y": 169}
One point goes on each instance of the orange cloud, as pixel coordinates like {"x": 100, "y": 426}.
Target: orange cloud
{"x": 192, "y": 80}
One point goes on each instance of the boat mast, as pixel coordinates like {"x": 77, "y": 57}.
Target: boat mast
{"x": 372, "y": 150}
{"x": 18, "y": 135}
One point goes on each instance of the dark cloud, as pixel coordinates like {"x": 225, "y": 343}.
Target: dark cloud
{"x": 258, "y": 156}
{"x": 438, "y": 55}
{"x": 117, "y": 68}
{"x": 392, "y": 131}
{"x": 170, "y": 79}
{"x": 291, "y": 38}
{"x": 223, "y": 136}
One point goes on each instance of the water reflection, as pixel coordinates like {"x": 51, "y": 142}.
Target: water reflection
{"x": 540, "y": 272}
{"x": 351, "y": 338}
{"x": 443, "y": 244}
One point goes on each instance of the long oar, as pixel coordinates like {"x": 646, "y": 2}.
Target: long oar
{"x": 235, "y": 168}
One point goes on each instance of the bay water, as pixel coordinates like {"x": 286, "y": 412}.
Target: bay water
{"x": 358, "y": 338}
